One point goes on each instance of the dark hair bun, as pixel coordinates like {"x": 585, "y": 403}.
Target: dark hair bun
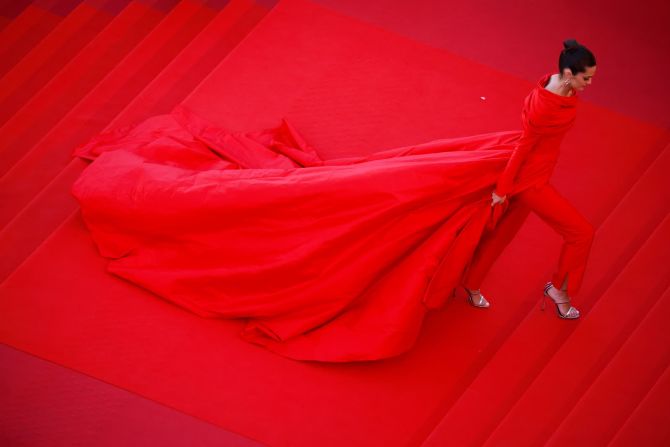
{"x": 576, "y": 57}
{"x": 570, "y": 44}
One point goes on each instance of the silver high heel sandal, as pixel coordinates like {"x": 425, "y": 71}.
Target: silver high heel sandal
{"x": 571, "y": 314}
{"x": 479, "y": 302}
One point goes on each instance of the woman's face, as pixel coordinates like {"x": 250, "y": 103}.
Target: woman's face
{"x": 581, "y": 80}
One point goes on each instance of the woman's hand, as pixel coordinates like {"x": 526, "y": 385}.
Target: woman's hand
{"x": 497, "y": 199}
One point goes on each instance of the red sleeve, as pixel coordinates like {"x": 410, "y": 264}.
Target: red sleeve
{"x": 524, "y": 145}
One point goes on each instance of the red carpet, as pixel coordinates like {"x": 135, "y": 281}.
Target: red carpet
{"x": 511, "y": 375}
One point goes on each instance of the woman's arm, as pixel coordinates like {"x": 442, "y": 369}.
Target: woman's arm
{"x": 524, "y": 145}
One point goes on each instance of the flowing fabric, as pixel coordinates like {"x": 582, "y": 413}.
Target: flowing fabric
{"x": 329, "y": 260}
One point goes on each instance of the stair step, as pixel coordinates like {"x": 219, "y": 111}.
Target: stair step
{"x": 48, "y": 57}
{"x": 491, "y": 394}
{"x": 4, "y": 21}
{"x": 38, "y": 219}
{"x": 11, "y": 9}
{"x": 72, "y": 83}
{"x": 591, "y": 346}
{"x": 198, "y": 59}
{"x": 648, "y": 424}
{"x": 24, "y": 32}
{"x": 618, "y": 390}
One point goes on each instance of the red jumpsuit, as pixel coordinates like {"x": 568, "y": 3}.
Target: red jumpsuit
{"x": 546, "y": 118}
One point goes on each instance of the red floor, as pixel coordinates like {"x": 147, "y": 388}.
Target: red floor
{"x": 380, "y": 74}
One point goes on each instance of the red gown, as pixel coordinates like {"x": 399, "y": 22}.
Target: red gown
{"x": 328, "y": 260}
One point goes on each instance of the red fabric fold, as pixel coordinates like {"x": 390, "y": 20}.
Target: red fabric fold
{"x": 329, "y": 260}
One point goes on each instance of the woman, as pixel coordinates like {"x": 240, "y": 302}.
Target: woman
{"x": 329, "y": 260}
{"x": 548, "y": 113}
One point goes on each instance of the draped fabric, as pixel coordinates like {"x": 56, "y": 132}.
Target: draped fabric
{"x": 329, "y": 260}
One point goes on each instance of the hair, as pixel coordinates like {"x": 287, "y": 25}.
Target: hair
{"x": 576, "y": 57}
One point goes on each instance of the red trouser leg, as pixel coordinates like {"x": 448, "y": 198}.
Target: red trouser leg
{"x": 494, "y": 242}
{"x": 556, "y": 211}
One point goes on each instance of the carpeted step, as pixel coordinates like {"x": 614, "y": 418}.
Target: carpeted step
{"x": 28, "y": 229}
{"x": 75, "y": 80}
{"x": 623, "y": 383}
{"x": 11, "y": 9}
{"x": 520, "y": 358}
{"x": 4, "y": 21}
{"x": 648, "y": 424}
{"x": 591, "y": 346}
{"x": 54, "y": 203}
{"x": 34, "y": 23}
{"x": 49, "y": 56}
{"x": 199, "y": 58}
